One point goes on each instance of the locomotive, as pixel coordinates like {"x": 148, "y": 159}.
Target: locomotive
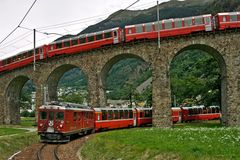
{"x": 58, "y": 121}
{"x": 85, "y": 42}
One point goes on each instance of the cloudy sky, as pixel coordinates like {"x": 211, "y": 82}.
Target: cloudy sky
{"x": 54, "y": 16}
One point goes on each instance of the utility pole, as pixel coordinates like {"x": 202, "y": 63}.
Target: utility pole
{"x": 159, "y": 44}
{"x": 34, "y": 49}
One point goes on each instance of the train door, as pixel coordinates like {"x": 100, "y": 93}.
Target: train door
{"x": 208, "y": 24}
{"x": 134, "y": 118}
{"x": 115, "y": 37}
{"x": 41, "y": 53}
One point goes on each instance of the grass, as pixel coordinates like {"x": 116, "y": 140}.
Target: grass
{"x": 10, "y": 131}
{"x": 14, "y": 139}
{"x": 187, "y": 143}
{"x": 12, "y": 144}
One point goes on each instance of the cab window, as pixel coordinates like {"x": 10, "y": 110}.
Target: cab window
{"x": 43, "y": 115}
{"x": 51, "y": 115}
{"x": 60, "y": 116}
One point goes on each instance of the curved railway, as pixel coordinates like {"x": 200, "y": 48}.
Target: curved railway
{"x": 48, "y": 152}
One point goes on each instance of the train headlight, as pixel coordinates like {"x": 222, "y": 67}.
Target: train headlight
{"x": 60, "y": 125}
{"x": 40, "y": 124}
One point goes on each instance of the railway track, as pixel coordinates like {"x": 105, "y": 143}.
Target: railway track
{"x": 48, "y": 152}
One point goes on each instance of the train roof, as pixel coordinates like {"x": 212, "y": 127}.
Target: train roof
{"x": 66, "y": 106}
{"x": 112, "y": 109}
{"x": 85, "y": 35}
{"x": 228, "y": 13}
{"x": 170, "y": 19}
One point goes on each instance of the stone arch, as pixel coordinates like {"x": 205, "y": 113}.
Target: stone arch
{"x": 106, "y": 68}
{"x": 12, "y": 99}
{"x": 54, "y": 77}
{"x": 223, "y": 70}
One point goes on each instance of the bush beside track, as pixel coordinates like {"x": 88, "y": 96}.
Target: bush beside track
{"x": 153, "y": 143}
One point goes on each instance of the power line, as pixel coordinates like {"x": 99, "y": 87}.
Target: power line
{"x": 19, "y": 23}
{"x": 124, "y": 9}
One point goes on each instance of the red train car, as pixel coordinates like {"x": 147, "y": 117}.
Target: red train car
{"x": 23, "y": 58}
{"x": 176, "y": 114}
{"x": 144, "y": 116}
{"x": 169, "y": 27}
{"x": 57, "y": 122}
{"x": 200, "y": 113}
{"x": 113, "y": 118}
{"x": 85, "y": 42}
{"x": 227, "y": 20}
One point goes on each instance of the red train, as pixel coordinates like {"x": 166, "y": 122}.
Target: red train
{"x": 168, "y": 28}
{"x": 57, "y": 122}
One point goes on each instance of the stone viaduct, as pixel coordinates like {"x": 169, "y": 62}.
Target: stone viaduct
{"x": 224, "y": 47}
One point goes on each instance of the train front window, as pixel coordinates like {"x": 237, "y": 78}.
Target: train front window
{"x": 43, "y": 115}
{"x": 51, "y": 115}
{"x": 60, "y": 116}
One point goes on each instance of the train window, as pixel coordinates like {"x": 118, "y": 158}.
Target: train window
{"x": 99, "y": 37}
{"x": 115, "y": 33}
{"x": 8, "y": 60}
{"x": 198, "y": 20}
{"x": 36, "y": 51}
{"x": 60, "y": 116}
{"x": 108, "y": 34}
{"x": 224, "y": 19}
{"x": 104, "y": 115}
{"x": 66, "y": 43}
{"x": 110, "y": 116}
{"x": 121, "y": 114}
{"x": 43, "y": 115}
{"x": 59, "y": 45}
{"x": 98, "y": 116}
{"x": 126, "y": 114}
{"x": 74, "y": 42}
{"x": 148, "y": 27}
{"x": 141, "y": 114}
{"x": 131, "y": 114}
{"x": 168, "y": 24}
{"x": 158, "y": 26}
{"x": 51, "y": 115}
{"x": 188, "y": 22}
{"x": 116, "y": 115}
{"x": 90, "y": 38}
{"x": 4, "y": 62}
{"x": 207, "y": 20}
{"x": 233, "y": 18}
{"x": 82, "y": 40}
{"x": 129, "y": 30}
{"x": 139, "y": 28}
{"x": 150, "y": 113}
{"x": 178, "y": 23}
{"x": 74, "y": 116}
{"x": 147, "y": 113}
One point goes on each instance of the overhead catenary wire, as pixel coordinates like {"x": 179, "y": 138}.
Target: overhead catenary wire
{"x": 19, "y": 23}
